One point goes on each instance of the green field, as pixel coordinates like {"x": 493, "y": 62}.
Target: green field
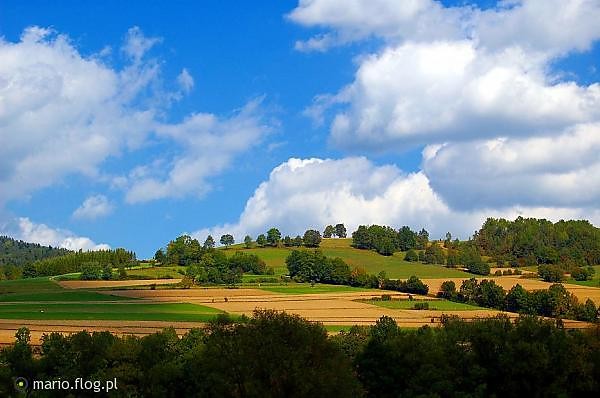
{"x": 125, "y": 311}
{"x": 394, "y": 266}
{"x": 434, "y": 305}
{"x": 316, "y": 289}
{"x": 594, "y": 282}
{"x": 64, "y": 295}
{"x": 37, "y": 285}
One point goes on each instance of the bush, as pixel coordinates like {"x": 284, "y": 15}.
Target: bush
{"x": 90, "y": 271}
{"x": 411, "y": 256}
{"x": 479, "y": 268}
{"x": 422, "y": 305}
{"x": 551, "y": 273}
{"x": 583, "y": 274}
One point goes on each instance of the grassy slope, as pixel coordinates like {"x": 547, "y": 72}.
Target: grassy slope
{"x": 594, "y": 282}
{"x": 126, "y": 311}
{"x": 394, "y": 266}
{"x": 66, "y": 295}
{"x": 33, "y": 285}
{"x": 441, "y": 305}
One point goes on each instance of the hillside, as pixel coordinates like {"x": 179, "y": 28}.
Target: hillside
{"x": 18, "y": 253}
{"x": 394, "y": 266}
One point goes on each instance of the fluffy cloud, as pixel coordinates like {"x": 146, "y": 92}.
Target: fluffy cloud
{"x": 44, "y": 235}
{"x": 543, "y": 171}
{"x": 62, "y": 113}
{"x": 435, "y": 92}
{"x": 305, "y": 193}
{"x": 501, "y": 129}
{"x": 208, "y": 144}
{"x": 93, "y": 207}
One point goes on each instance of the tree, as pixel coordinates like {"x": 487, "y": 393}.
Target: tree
{"x": 287, "y": 241}
{"x": 422, "y": 239}
{"x": 107, "y": 273}
{"x": 297, "y": 242}
{"x": 550, "y": 273}
{"x": 273, "y": 236}
{"x": 448, "y": 240}
{"x": 312, "y": 238}
{"x": 517, "y": 300}
{"x": 159, "y": 256}
{"x": 227, "y": 240}
{"x": 209, "y": 243}
{"x": 261, "y": 240}
{"x": 361, "y": 238}
{"x": 434, "y": 255}
{"x": 340, "y": 230}
{"x": 411, "y": 255}
{"x": 407, "y": 239}
{"x": 248, "y": 242}
{"x": 329, "y": 231}
{"x": 447, "y": 290}
{"x": 579, "y": 273}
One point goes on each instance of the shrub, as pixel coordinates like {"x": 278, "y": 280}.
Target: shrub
{"x": 551, "y": 273}
{"x": 422, "y": 305}
{"x": 479, "y": 268}
{"x": 411, "y": 256}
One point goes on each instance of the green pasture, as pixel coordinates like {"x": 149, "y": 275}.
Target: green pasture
{"x": 64, "y": 295}
{"x": 394, "y": 266}
{"x": 173, "y": 312}
{"x": 434, "y": 305}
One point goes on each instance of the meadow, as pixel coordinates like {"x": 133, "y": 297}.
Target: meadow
{"x": 394, "y": 266}
{"x": 434, "y": 305}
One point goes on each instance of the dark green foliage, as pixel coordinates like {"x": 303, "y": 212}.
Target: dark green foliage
{"x": 583, "y": 273}
{"x": 384, "y": 240}
{"x": 248, "y": 263}
{"x": 530, "y": 241}
{"x": 313, "y": 266}
{"x": 297, "y": 241}
{"x": 273, "y": 237}
{"x": 422, "y": 239}
{"x": 411, "y": 255}
{"x": 485, "y": 358}
{"x": 248, "y": 242}
{"x": 479, "y": 268}
{"x": 18, "y": 253}
{"x": 412, "y": 285}
{"x": 551, "y": 273}
{"x": 340, "y": 230}
{"x": 407, "y": 239}
{"x": 185, "y": 250}
{"x": 209, "y": 243}
{"x": 287, "y": 241}
{"x": 447, "y": 290}
{"x": 329, "y": 231}
{"x": 261, "y": 240}
{"x": 434, "y": 254}
{"x": 90, "y": 271}
{"x": 227, "y": 240}
{"x": 312, "y": 238}
{"x": 74, "y": 262}
{"x": 160, "y": 256}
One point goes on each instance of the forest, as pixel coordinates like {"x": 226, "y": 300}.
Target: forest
{"x": 274, "y": 354}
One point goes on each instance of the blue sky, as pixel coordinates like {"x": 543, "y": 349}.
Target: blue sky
{"x": 435, "y": 115}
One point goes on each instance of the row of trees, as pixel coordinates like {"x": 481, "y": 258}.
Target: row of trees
{"x": 386, "y": 240}
{"x": 214, "y": 267}
{"x": 314, "y": 266}
{"x": 279, "y": 355}
{"x": 73, "y": 262}
{"x": 311, "y": 238}
{"x": 556, "y": 301}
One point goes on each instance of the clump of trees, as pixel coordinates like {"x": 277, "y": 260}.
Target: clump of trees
{"x": 75, "y": 262}
{"x": 531, "y": 241}
{"x": 214, "y": 267}
{"x": 338, "y": 231}
{"x": 314, "y": 266}
{"x": 555, "y": 301}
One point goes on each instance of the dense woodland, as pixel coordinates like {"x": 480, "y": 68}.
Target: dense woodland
{"x": 15, "y": 254}
{"x": 80, "y": 261}
{"x": 278, "y": 355}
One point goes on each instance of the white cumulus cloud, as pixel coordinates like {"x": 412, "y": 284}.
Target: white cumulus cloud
{"x": 312, "y": 193}
{"x": 93, "y": 207}
{"x": 47, "y": 236}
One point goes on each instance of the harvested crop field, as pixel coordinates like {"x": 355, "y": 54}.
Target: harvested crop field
{"x": 115, "y": 284}
{"x": 8, "y": 327}
{"x": 507, "y": 282}
{"x": 343, "y": 308}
